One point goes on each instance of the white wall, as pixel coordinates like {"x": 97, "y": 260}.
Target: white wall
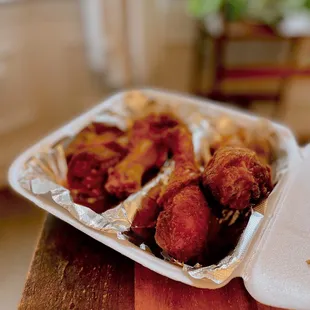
{"x": 44, "y": 77}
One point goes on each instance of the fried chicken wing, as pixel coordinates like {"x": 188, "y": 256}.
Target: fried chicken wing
{"x": 236, "y": 179}
{"x": 182, "y": 226}
{"x": 147, "y": 149}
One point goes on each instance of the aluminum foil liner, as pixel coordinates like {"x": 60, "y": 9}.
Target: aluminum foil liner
{"x": 224, "y": 269}
{"x": 45, "y": 175}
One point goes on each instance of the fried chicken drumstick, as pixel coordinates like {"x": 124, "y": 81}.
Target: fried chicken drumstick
{"x": 147, "y": 149}
{"x": 236, "y": 179}
{"x": 182, "y": 226}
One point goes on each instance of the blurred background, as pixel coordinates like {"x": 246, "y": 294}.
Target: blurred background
{"x": 60, "y": 57}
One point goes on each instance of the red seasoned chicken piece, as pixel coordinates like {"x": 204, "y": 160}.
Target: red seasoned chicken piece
{"x": 87, "y": 173}
{"x": 147, "y": 149}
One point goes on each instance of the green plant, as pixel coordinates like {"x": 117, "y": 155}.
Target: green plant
{"x": 267, "y": 11}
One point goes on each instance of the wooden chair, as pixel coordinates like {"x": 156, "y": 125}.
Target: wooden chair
{"x": 242, "y": 32}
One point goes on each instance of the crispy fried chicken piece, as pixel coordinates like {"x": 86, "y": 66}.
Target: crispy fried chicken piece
{"x": 96, "y": 134}
{"x": 144, "y": 222}
{"x": 236, "y": 179}
{"x": 259, "y": 138}
{"x": 126, "y": 177}
{"x": 186, "y": 171}
{"x": 237, "y": 139}
{"x": 147, "y": 149}
{"x": 87, "y": 173}
{"x": 182, "y": 226}
{"x": 87, "y": 169}
{"x": 119, "y": 145}
{"x": 260, "y": 145}
{"x": 263, "y": 149}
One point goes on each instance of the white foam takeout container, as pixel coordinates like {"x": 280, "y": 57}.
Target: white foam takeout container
{"x": 274, "y": 270}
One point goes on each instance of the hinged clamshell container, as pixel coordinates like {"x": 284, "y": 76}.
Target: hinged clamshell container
{"x": 274, "y": 270}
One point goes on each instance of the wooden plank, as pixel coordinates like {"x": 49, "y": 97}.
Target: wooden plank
{"x": 155, "y": 292}
{"x": 73, "y": 271}
{"x": 243, "y": 31}
{"x": 243, "y": 100}
{"x": 256, "y": 72}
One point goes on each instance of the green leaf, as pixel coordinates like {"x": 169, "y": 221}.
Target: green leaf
{"x": 268, "y": 11}
{"x": 235, "y": 9}
{"x": 288, "y": 6}
{"x": 200, "y": 8}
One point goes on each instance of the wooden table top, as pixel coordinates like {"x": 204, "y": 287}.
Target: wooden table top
{"x": 70, "y": 270}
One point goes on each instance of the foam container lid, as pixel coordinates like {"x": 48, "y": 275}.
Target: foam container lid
{"x": 275, "y": 271}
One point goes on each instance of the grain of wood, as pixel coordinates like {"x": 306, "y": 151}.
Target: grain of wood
{"x": 153, "y": 291}
{"x": 72, "y": 271}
